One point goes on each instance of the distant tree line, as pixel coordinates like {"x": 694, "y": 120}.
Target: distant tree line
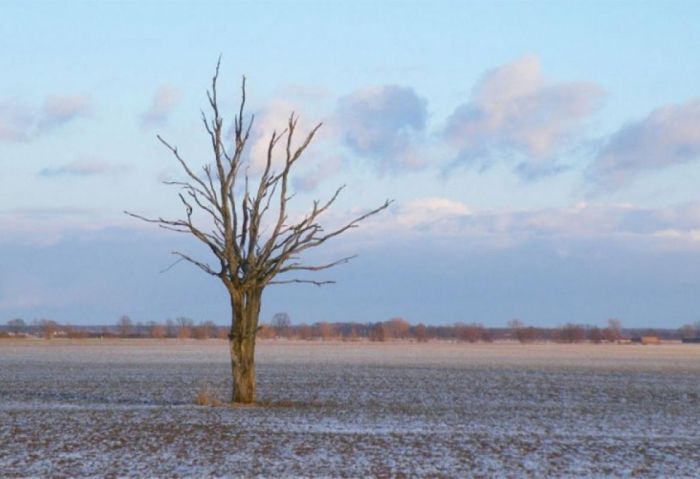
{"x": 280, "y": 326}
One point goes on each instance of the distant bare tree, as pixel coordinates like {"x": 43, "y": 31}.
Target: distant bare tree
{"x": 469, "y": 332}
{"x": 48, "y": 328}
{"x": 280, "y": 324}
{"x": 595, "y": 335}
{"x": 397, "y": 328}
{"x": 75, "y": 332}
{"x": 170, "y": 328}
{"x": 157, "y": 330}
{"x": 515, "y": 325}
{"x": 304, "y": 331}
{"x": 526, "y": 334}
{"x": 615, "y": 328}
{"x": 124, "y": 326}
{"x": 421, "y": 333}
{"x": 325, "y": 330}
{"x": 377, "y": 332}
{"x": 572, "y": 333}
{"x": 17, "y": 325}
{"x": 184, "y": 327}
{"x": 204, "y": 330}
{"x": 687, "y": 331}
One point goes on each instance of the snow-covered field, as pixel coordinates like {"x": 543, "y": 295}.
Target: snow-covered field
{"x": 124, "y": 408}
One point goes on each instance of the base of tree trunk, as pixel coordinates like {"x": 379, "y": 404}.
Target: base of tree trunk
{"x": 243, "y": 371}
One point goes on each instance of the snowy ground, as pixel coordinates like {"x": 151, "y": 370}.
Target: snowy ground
{"x": 124, "y": 408}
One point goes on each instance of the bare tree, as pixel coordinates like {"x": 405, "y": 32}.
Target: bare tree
{"x": 157, "y": 330}
{"x": 48, "y": 328}
{"x": 124, "y": 326}
{"x": 614, "y": 330}
{"x": 184, "y": 327}
{"x": 17, "y": 325}
{"x": 248, "y": 228}
{"x": 281, "y": 324}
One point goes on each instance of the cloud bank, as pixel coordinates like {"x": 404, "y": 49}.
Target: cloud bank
{"x": 670, "y": 227}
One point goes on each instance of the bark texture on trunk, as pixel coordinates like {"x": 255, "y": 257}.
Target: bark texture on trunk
{"x": 245, "y": 307}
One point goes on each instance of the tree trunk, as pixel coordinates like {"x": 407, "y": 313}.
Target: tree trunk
{"x": 245, "y": 308}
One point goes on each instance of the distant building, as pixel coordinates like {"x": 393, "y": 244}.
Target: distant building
{"x": 691, "y": 340}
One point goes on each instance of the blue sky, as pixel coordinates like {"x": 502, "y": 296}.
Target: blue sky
{"x": 544, "y": 156}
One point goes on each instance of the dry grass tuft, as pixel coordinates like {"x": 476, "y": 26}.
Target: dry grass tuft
{"x": 206, "y": 397}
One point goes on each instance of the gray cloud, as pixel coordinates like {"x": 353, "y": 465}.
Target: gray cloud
{"x": 381, "y": 124}
{"x": 164, "y": 100}
{"x": 514, "y": 111}
{"x": 80, "y": 168}
{"x": 668, "y": 136}
{"x": 19, "y": 122}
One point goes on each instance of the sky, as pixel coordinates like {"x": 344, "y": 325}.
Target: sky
{"x": 543, "y": 157}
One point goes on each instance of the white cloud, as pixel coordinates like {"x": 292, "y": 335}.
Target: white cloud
{"x": 514, "y": 110}
{"x": 273, "y": 117}
{"x": 164, "y": 101}
{"x": 669, "y": 135}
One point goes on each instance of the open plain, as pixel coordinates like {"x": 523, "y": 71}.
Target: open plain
{"x": 125, "y": 408}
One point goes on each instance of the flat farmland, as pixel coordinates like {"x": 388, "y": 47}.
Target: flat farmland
{"x": 125, "y": 408}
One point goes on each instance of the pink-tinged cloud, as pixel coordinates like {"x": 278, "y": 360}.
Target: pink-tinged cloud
{"x": 20, "y": 122}
{"x": 164, "y": 101}
{"x": 59, "y": 110}
{"x": 516, "y": 111}
{"x": 16, "y": 122}
{"x": 668, "y": 136}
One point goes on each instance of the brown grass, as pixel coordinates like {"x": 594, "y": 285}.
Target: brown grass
{"x": 206, "y": 397}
